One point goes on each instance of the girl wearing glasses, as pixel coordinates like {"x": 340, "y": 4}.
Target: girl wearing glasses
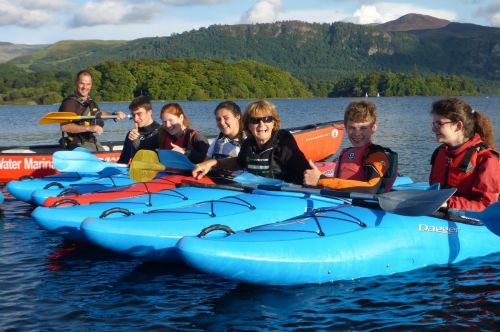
{"x": 268, "y": 151}
{"x": 466, "y": 159}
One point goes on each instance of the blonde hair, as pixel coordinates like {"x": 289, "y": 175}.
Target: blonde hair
{"x": 261, "y": 108}
{"x": 361, "y": 111}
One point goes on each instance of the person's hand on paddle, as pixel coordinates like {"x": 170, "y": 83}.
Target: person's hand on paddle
{"x": 134, "y": 133}
{"x": 201, "y": 169}
{"x": 121, "y": 115}
{"x": 311, "y": 176}
{"x": 177, "y": 148}
{"x": 96, "y": 129}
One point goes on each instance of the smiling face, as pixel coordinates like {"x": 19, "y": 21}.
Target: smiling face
{"x": 228, "y": 123}
{"x": 261, "y": 128}
{"x": 83, "y": 86}
{"x": 143, "y": 117}
{"x": 447, "y": 131}
{"x": 360, "y": 133}
{"x": 173, "y": 123}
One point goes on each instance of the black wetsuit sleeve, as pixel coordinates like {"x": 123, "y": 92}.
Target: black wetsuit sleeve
{"x": 127, "y": 149}
{"x": 291, "y": 160}
{"x": 199, "y": 148}
{"x": 242, "y": 155}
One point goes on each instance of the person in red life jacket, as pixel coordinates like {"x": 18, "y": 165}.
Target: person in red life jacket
{"x": 363, "y": 167}
{"x": 466, "y": 159}
{"x": 144, "y": 135}
{"x": 81, "y": 133}
{"x": 268, "y": 151}
{"x": 177, "y": 134}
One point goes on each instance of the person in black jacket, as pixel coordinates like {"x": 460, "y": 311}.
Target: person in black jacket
{"x": 82, "y": 133}
{"x": 268, "y": 151}
{"x": 145, "y": 133}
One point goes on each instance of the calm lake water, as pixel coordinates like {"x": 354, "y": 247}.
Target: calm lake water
{"x": 47, "y": 284}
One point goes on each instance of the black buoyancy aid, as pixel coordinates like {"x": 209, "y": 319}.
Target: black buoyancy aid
{"x": 88, "y": 108}
{"x": 261, "y": 162}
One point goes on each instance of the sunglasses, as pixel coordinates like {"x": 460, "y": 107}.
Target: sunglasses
{"x": 265, "y": 119}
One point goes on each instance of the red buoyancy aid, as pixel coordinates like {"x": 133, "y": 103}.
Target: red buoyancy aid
{"x": 185, "y": 141}
{"x": 351, "y": 165}
{"x": 457, "y": 168}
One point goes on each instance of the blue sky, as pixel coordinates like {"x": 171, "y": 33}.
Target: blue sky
{"x": 49, "y": 21}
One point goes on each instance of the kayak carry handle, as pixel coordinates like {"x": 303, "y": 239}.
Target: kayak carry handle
{"x": 69, "y": 192}
{"x": 216, "y": 227}
{"x": 53, "y": 184}
{"x": 65, "y": 201}
{"x": 116, "y": 210}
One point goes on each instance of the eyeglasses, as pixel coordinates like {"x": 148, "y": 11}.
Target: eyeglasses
{"x": 439, "y": 124}
{"x": 265, "y": 119}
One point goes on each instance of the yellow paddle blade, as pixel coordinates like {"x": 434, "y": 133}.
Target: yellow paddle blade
{"x": 59, "y": 117}
{"x": 145, "y": 165}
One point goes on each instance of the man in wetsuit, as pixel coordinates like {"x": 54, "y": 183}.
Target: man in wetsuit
{"x": 81, "y": 133}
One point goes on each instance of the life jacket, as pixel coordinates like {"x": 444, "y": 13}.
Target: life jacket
{"x": 352, "y": 161}
{"x": 87, "y": 108}
{"x": 261, "y": 162}
{"x": 185, "y": 141}
{"x": 457, "y": 171}
{"x": 225, "y": 147}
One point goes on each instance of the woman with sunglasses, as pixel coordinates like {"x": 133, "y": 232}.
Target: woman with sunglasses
{"x": 268, "y": 151}
{"x": 229, "y": 121}
{"x": 177, "y": 134}
{"x": 466, "y": 160}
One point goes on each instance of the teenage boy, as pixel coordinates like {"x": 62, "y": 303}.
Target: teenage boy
{"x": 363, "y": 167}
{"x": 144, "y": 135}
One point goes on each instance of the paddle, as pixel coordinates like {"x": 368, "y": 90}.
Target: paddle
{"x": 60, "y": 117}
{"x": 79, "y": 160}
{"x": 175, "y": 160}
{"x": 143, "y": 170}
{"x": 145, "y": 165}
{"x": 412, "y": 202}
{"x": 489, "y": 217}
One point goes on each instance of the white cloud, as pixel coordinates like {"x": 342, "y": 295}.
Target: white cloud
{"x": 191, "y": 2}
{"x": 21, "y": 14}
{"x": 264, "y": 11}
{"x": 388, "y": 11}
{"x": 114, "y": 12}
{"x": 316, "y": 16}
{"x": 490, "y": 13}
{"x": 43, "y": 4}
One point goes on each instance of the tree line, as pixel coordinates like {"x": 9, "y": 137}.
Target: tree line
{"x": 190, "y": 79}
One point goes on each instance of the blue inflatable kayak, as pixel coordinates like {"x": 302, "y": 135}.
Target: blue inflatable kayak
{"x": 340, "y": 243}
{"x": 54, "y": 184}
{"x": 1, "y": 197}
{"x": 153, "y": 236}
{"x": 99, "y": 183}
{"x": 66, "y": 220}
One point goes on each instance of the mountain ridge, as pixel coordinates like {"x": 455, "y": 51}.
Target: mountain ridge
{"x": 306, "y": 50}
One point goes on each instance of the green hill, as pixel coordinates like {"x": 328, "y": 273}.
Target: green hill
{"x": 307, "y": 51}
